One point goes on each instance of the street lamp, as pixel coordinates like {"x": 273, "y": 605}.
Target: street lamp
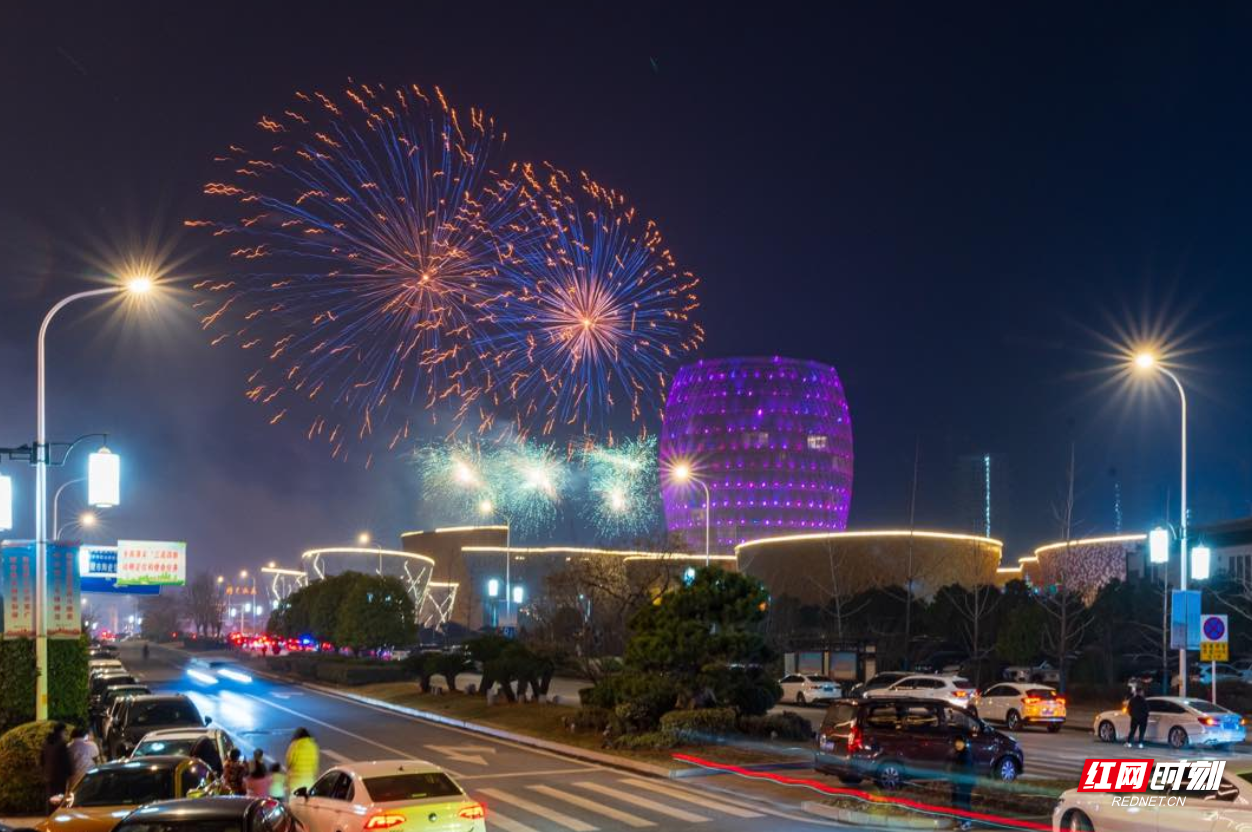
{"x": 137, "y": 285}
{"x": 1146, "y": 362}
{"x": 85, "y": 521}
{"x": 486, "y": 509}
{"x": 681, "y": 473}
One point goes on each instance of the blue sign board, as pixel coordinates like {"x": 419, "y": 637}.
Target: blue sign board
{"x": 1184, "y": 620}
{"x": 99, "y": 568}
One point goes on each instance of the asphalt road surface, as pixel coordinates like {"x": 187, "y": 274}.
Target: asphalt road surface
{"x": 524, "y": 789}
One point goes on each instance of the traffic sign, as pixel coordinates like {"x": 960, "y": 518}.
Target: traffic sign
{"x": 1214, "y": 638}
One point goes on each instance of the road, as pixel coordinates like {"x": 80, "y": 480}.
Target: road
{"x": 524, "y": 789}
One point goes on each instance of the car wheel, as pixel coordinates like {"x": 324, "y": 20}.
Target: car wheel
{"x": 1013, "y": 721}
{"x": 800, "y": 698}
{"x": 1006, "y": 770}
{"x": 889, "y": 775}
{"x": 1076, "y": 821}
{"x": 1053, "y": 727}
{"x": 1177, "y": 738}
{"x": 1107, "y": 732}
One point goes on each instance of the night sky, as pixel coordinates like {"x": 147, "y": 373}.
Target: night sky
{"x": 963, "y": 207}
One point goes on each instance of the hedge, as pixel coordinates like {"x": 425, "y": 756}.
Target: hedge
{"x": 337, "y": 670}
{"x": 67, "y": 681}
{"x": 787, "y": 725}
{"x": 21, "y": 774}
{"x": 700, "y": 725}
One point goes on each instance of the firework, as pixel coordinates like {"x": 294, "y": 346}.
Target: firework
{"x": 370, "y": 237}
{"x": 624, "y": 486}
{"x": 600, "y": 311}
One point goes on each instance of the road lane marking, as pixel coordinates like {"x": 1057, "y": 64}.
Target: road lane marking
{"x": 464, "y": 753}
{"x": 400, "y": 754}
{"x": 336, "y": 756}
{"x": 552, "y": 772}
{"x": 544, "y": 812}
{"x": 592, "y": 806}
{"x": 698, "y": 800}
{"x": 507, "y": 823}
{"x": 643, "y": 802}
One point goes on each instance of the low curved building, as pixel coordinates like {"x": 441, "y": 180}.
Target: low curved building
{"x": 1083, "y": 564}
{"x": 413, "y": 570}
{"x": 813, "y": 568}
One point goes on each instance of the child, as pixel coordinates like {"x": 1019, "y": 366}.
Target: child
{"x": 278, "y": 782}
{"x": 258, "y": 782}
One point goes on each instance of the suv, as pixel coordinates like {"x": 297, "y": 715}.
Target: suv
{"x": 892, "y": 740}
{"x": 878, "y": 680}
{"x": 951, "y": 689}
{"x": 136, "y": 716}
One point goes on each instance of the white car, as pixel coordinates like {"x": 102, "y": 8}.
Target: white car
{"x": 1017, "y": 704}
{"x": 801, "y": 689}
{"x": 953, "y": 690}
{"x": 1177, "y": 722}
{"x": 105, "y": 664}
{"x": 212, "y": 745}
{"x": 392, "y": 794}
{"x": 1226, "y": 810}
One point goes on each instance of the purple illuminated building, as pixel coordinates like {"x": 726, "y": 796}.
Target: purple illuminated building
{"x": 772, "y": 439}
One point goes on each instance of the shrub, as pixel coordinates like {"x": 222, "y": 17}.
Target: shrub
{"x": 699, "y": 725}
{"x": 359, "y": 673}
{"x": 635, "y": 718}
{"x": 647, "y": 741}
{"x": 592, "y": 718}
{"x": 67, "y": 681}
{"x": 784, "y": 726}
{"x": 21, "y": 775}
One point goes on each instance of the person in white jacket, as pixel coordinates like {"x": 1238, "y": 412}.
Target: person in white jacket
{"x": 84, "y": 753}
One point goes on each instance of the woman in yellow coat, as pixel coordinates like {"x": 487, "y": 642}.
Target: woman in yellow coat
{"x": 301, "y": 761}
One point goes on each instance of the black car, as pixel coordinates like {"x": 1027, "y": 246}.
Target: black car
{"x": 111, "y": 694}
{"x": 897, "y": 739}
{"x": 102, "y": 651}
{"x": 99, "y": 684}
{"x": 212, "y": 814}
{"x": 135, "y": 716}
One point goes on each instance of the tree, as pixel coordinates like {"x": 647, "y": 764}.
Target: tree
{"x": 204, "y": 604}
{"x": 968, "y": 611}
{"x": 377, "y": 612}
{"x": 160, "y": 614}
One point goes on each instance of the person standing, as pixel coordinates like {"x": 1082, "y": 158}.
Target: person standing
{"x": 278, "y": 782}
{"x": 83, "y": 753}
{"x": 302, "y": 757}
{"x": 259, "y": 781}
{"x": 1138, "y": 710}
{"x": 55, "y": 760}
{"x": 233, "y": 772}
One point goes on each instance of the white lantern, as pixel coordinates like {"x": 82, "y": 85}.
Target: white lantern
{"x": 6, "y": 503}
{"x": 1201, "y": 563}
{"x": 518, "y": 594}
{"x": 1158, "y": 545}
{"x": 104, "y": 479}
{"x": 493, "y": 588}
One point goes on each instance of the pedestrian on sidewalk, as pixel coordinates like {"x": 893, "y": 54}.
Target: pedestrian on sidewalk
{"x": 54, "y": 758}
{"x": 83, "y": 754}
{"x": 1138, "y": 710}
{"x": 233, "y": 772}
{"x": 302, "y": 760}
{"x": 259, "y": 781}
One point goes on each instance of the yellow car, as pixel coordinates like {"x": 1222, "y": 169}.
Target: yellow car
{"x": 108, "y": 793}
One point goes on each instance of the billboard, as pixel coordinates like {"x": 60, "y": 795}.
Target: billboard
{"x": 151, "y": 563}
{"x": 98, "y": 567}
{"x": 17, "y": 559}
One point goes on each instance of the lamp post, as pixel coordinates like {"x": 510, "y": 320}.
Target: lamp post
{"x": 243, "y": 576}
{"x": 682, "y": 473}
{"x": 487, "y": 509}
{"x": 1147, "y": 361}
{"x": 138, "y": 285}
{"x": 56, "y": 503}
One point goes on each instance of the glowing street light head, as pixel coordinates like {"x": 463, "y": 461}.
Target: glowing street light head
{"x": 243, "y": 573}
{"x": 1145, "y": 361}
{"x": 87, "y": 519}
{"x": 139, "y": 285}
{"x": 680, "y": 472}
{"x": 363, "y": 538}
{"x": 221, "y": 579}
{"x": 485, "y": 507}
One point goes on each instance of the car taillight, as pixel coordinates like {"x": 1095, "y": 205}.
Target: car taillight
{"x": 854, "y": 739}
{"x": 1030, "y": 700}
{"x": 1243, "y": 721}
{"x": 384, "y": 821}
{"x": 961, "y": 694}
{"x": 475, "y": 812}
{"x": 1207, "y": 720}
{"x": 1060, "y": 700}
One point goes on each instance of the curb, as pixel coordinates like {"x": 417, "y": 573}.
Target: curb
{"x": 852, "y": 817}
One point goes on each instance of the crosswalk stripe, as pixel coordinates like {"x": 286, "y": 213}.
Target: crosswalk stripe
{"x": 525, "y": 805}
{"x": 660, "y": 808}
{"x": 698, "y": 800}
{"x": 591, "y": 806}
{"x": 507, "y": 823}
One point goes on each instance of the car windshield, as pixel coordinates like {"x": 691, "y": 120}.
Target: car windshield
{"x": 149, "y": 748}
{"x": 167, "y": 713}
{"x": 417, "y": 786}
{"x": 1206, "y": 707}
{"x": 124, "y": 787}
{"x": 819, "y": 678}
{"x": 962, "y": 684}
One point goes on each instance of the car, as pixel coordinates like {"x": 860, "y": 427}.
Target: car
{"x": 896, "y": 739}
{"x": 212, "y": 745}
{"x": 954, "y": 690}
{"x": 102, "y": 651}
{"x": 1177, "y": 722}
{"x": 800, "y": 688}
{"x": 107, "y": 793}
{"x": 391, "y": 794}
{"x": 99, "y": 684}
{"x": 212, "y": 671}
{"x": 878, "y": 680}
{"x": 1229, "y": 808}
{"x": 1225, "y": 673}
{"x": 1018, "y": 704}
{"x": 219, "y": 814}
{"x": 1042, "y": 673}
{"x": 111, "y": 695}
{"x": 135, "y": 716}
{"x": 99, "y": 664}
